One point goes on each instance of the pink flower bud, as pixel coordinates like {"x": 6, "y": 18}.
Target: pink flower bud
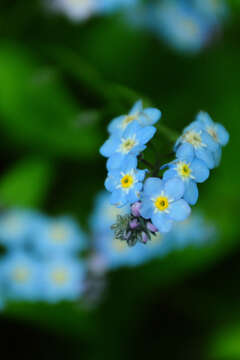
{"x": 133, "y": 224}
{"x": 144, "y": 238}
{"x": 135, "y": 209}
{"x": 151, "y": 227}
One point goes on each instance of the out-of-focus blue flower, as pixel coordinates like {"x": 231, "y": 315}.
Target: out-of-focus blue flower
{"x": 193, "y": 231}
{"x": 22, "y": 276}
{"x": 181, "y": 25}
{"x": 145, "y": 117}
{"x": 17, "y": 227}
{"x": 218, "y": 133}
{"x": 191, "y": 171}
{"x": 196, "y": 141}
{"x": 63, "y": 279}
{"x": 131, "y": 142}
{"x": 54, "y": 237}
{"x": 76, "y": 10}
{"x": 105, "y": 214}
{"x": 109, "y": 6}
{"x": 214, "y": 9}
{"x": 162, "y": 203}
{"x": 125, "y": 183}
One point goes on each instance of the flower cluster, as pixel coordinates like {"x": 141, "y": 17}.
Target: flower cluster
{"x": 40, "y": 261}
{"x": 80, "y": 10}
{"x": 112, "y": 253}
{"x": 157, "y": 202}
{"x": 187, "y": 26}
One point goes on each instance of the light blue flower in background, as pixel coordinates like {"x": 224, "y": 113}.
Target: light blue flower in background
{"x": 109, "y": 6}
{"x": 195, "y": 140}
{"x": 216, "y": 9}
{"x": 58, "y": 236}
{"x": 193, "y": 231}
{"x": 17, "y": 227}
{"x": 145, "y": 117}
{"x": 162, "y": 203}
{"x": 63, "y": 279}
{"x": 22, "y": 276}
{"x": 105, "y": 214}
{"x": 217, "y": 131}
{"x": 181, "y": 25}
{"x": 131, "y": 142}
{"x": 191, "y": 171}
{"x": 76, "y": 10}
{"x": 125, "y": 183}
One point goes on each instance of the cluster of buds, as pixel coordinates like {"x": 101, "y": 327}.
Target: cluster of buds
{"x": 133, "y": 228}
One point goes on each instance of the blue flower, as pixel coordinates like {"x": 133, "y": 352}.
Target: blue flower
{"x": 53, "y": 237}
{"x": 218, "y": 133}
{"x": 22, "y": 276}
{"x": 162, "y": 203}
{"x": 75, "y": 10}
{"x": 131, "y": 142}
{"x": 213, "y": 9}
{"x": 196, "y": 141}
{"x": 108, "y": 6}
{"x": 63, "y": 279}
{"x": 17, "y": 227}
{"x": 190, "y": 171}
{"x": 145, "y": 117}
{"x": 181, "y": 25}
{"x": 125, "y": 183}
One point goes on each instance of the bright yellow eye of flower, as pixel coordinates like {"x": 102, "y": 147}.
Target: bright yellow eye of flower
{"x": 60, "y": 276}
{"x": 127, "y": 181}
{"x": 194, "y": 138}
{"x": 128, "y": 119}
{"x": 127, "y": 145}
{"x": 21, "y": 275}
{"x": 184, "y": 170}
{"x": 161, "y": 203}
{"x": 58, "y": 234}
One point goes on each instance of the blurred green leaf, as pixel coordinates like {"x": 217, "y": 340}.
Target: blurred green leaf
{"x": 26, "y": 184}
{"x": 37, "y": 110}
{"x": 225, "y": 344}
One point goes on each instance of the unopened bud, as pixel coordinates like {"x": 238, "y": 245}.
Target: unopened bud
{"x": 151, "y": 227}
{"x": 133, "y": 224}
{"x": 135, "y": 208}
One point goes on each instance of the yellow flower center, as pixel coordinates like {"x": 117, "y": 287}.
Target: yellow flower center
{"x": 127, "y": 181}
{"x": 183, "y": 170}
{"x": 193, "y": 138}
{"x": 60, "y": 276}
{"x": 213, "y": 133}
{"x": 21, "y": 274}
{"x": 128, "y": 119}
{"x": 161, "y": 203}
{"x": 59, "y": 234}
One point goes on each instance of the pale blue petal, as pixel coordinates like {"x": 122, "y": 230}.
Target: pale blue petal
{"x": 162, "y": 222}
{"x": 191, "y": 193}
{"x": 115, "y": 124}
{"x": 206, "y": 156}
{"x": 185, "y": 152}
{"x": 223, "y": 135}
{"x": 147, "y": 208}
{"x": 132, "y": 195}
{"x": 137, "y": 107}
{"x": 200, "y": 170}
{"x": 217, "y": 156}
{"x": 153, "y": 186}
{"x": 141, "y": 175}
{"x": 115, "y": 161}
{"x": 110, "y": 146}
{"x": 204, "y": 118}
{"x": 129, "y": 163}
{"x": 118, "y": 198}
{"x": 110, "y": 183}
{"x": 132, "y": 129}
{"x": 209, "y": 141}
{"x": 149, "y": 117}
{"x": 146, "y": 134}
{"x": 169, "y": 174}
{"x": 174, "y": 188}
{"x": 179, "y": 210}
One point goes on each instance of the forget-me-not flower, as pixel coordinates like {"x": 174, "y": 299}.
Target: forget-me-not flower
{"x": 125, "y": 183}
{"x": 190, "y": 171}
{"x": 145, "y": 117}
{"x": 162, "y": 203}
{"x": 58, "y": 236}
{"x": 22, "y": 276}
{"x": 63, "y": 279}
{"x": 76, "y": 10}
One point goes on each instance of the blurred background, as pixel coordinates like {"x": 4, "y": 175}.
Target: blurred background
{"x": 65, "y": 72}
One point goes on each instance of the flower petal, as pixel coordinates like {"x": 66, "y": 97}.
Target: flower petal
{"x": 110, "y": 146}
{"x": 223, "y": 135}
{"x": 115, "y": 124}
{"x": 137, "y": 107}
{"x": 147, "y": 208}
{"x": 145, "y": 134}
{"x": 200, "y": 170}
{"x": 162, "y": 222}
{"x": 206, "y": 156}
{"x": 179, "y": 210}
{"x": 191, "y": 193}
{"x": 174, "y": 188}
{"x": 153, "y": 186}
{"x": 149, "y": 117}
{"x": 185, "y": 152}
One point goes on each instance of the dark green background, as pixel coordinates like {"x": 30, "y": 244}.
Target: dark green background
{"x": 60, "y": 84}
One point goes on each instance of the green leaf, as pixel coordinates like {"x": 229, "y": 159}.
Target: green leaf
{"x": 26, "y": 184}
